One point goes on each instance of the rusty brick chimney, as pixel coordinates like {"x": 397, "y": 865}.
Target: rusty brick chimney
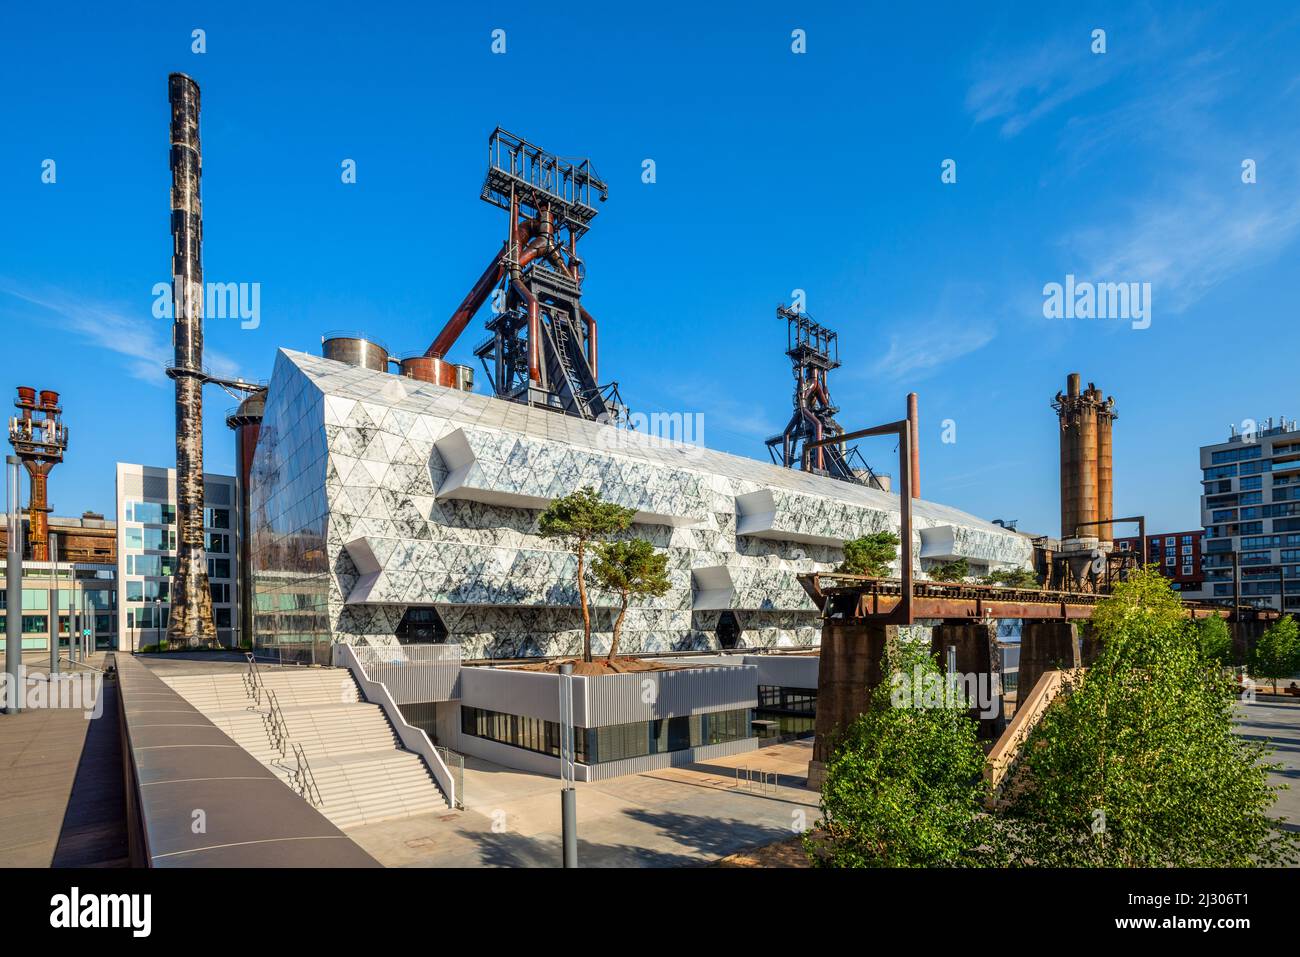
{"x": 1087, "y": 487}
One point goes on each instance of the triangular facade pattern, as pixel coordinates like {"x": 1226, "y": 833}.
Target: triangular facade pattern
{"x": 373, "y": 493}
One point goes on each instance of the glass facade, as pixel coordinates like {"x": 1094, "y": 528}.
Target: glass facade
{"x": 611, "y": 743}
{"x": 785, "y": 714}
{"x": 288, "y": 521}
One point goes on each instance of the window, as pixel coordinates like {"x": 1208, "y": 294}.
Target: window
{"x": 1237, "y": 455}
{"x": 1187, "y": 569}
{"x": 613, "y": 742}
{"x": 1187, "y": 549}
{"x": 1254, "y": 482}
{"x": 157, "y": 566}
{"x": 218, "y": 567}
{"x": 728, "y": 630}
{"x": 216, "y": 542}
{"x": 220, "y": 592}
{"x": 216, "y": 517}
{"x": 151, "y": 513}
{"x": 1169, "y": 560}
{"x": 221, "y": 617}
{"x": 151, "y": 539}
{"x": 1187, "y": 539}
{"x": 1155, "y": 543}
{"x": 421, "y": 626}
{"x": 1222, "y": 471}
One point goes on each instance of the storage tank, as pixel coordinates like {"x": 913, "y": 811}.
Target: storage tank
{"x": 438, "y": 371}
{"x": 355, "y": 351}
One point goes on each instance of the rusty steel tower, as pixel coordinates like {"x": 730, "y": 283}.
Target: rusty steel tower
{"x": 191, "y": 598}
{"x": 541, "y": 347}
{"x": 813, "y": 350}
{"x": 1087, "y": 487}
{"x": 39, "y": 438}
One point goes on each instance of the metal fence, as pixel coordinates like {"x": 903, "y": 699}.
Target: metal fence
{"x": 414, "y": 674}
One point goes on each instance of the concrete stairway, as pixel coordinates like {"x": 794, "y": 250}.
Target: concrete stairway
{"x": 359, "y": 766}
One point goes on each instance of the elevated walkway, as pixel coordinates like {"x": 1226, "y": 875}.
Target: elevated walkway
{"x": 361, "y": 773}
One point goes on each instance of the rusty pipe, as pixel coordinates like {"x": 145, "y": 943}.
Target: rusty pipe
{"x": 534, "y": 330}
{"x": 914, "y": 430}
{"x": 591, "y": 339}
{"x": 471, "y": 304}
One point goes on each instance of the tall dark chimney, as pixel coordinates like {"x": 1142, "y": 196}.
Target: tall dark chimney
{"x": 191, "y": 600}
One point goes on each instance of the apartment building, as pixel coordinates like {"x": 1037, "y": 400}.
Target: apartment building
{"x": 1176, "y": 554}
{"x": 1250, "y": 509}
{"x": 146, "y": 552}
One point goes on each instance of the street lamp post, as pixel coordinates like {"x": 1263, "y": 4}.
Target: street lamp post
{"x": 568, "y": 796}
{"x": 14, "y": 590}
{"x": 54, "y": 631}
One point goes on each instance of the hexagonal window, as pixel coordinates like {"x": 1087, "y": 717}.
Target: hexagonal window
{"x": 421, "y": 626}
{"x": 728, "y": 630}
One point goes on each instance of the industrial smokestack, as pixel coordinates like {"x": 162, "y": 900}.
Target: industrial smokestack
{"x": 1105, "y": 469}
{"x": 1086, "y": 467}
{"x": 191, "y": 600}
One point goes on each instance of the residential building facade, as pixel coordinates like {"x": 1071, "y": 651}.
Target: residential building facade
{"x": 146, "y": 552}
{"x": 1250, "y": 507}
{"x": 1177, "y": 555}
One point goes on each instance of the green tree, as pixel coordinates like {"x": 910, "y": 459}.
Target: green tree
{"x": 1136, "y": 763}
{"x": 869, "y": 555}
{"x": 578, "y": 519}
{"x": 953, "y": 571}
{"x": 1012, "y": 578}
{"x": 903, "y": 786}
{"x": 629, "y": 568}
{"x": 1276, "y": 654}
{"x": 1215, "y": 640}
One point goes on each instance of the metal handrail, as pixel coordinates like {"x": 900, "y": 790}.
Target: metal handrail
{"x": 273, "y": 720}
{"x": 455, "y": 763}
{"x": 253, "y": 679}
{"x": 304, "y": 779}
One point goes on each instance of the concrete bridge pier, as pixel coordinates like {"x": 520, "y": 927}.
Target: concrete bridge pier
{"x": 975, "y": 643}
{"x": 1047, "y": 645}
{"x": 852, "y": 656}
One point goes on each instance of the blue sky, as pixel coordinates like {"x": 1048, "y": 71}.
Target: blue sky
{"x": 775, "y": 171}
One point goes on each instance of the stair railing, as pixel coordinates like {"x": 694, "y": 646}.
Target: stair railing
{"x": 304, "y": 780}
{"x": 253, "y": 679}
{"x": 273, "y": 720}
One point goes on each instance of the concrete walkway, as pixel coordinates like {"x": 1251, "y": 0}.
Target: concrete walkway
{"x": 674, "y": 817}
{"x": 61, "y": 788}
{"x": 1277, "y": 721}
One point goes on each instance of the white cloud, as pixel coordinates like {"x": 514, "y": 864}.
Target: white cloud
{"x": 142, "y": 344}
{"x": 925, "y": 347}
{"x": 1021, "y": 89}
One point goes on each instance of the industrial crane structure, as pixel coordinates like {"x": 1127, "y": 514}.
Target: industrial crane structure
{"x": 813, "y": 350}
{"x": 541, "y": 349}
